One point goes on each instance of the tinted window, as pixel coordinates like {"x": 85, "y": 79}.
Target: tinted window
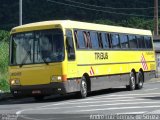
{"x": 94, "y": 40}
{"x": 141, "y": 43}
{"x": 105, "y": 40}
{"x": 80, "y": 39}
{"x": 49, "y": 46}
{"x": 100, "y": 40}
{"x": 76, "y": 39}
{"x": 115, "y": 41}
{"x": 148, "y": 42}
{"x": 132, "y": 41}
{"x": 87, "y": 39}
{"x": 124, "y": 41}
{"x": 70, "y": 45}
{"x": 22, "y": 48}
{"x": 37, "y": 47}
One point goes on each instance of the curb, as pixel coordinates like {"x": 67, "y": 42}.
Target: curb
{"x": 153, "y": 80}
{"x": 5, "y": 96}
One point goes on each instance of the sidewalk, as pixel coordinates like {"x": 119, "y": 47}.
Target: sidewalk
{"x": 154, "y": 80}
{"x": 5, "y": 96}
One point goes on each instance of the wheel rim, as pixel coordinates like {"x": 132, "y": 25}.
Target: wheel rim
{"x": 141, "y": 81}
{"x": 132, "y": 82}
{"x": 84, "y": 87}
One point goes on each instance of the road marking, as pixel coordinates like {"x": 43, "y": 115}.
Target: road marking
{"x": 116, "y": 99}
{"x": 151, "y": 89}
{"x": 97, "y": 99}
{"x": 95, "y": 102}
{"x": 86, "y": 106}
{"x": 116, "y": 95}
{"x": 114, "y": 108}
{"x": 153, "y": 82}
{"x": 141, "y": 112}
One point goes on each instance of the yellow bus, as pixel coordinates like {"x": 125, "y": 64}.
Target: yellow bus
{"x": 64, "y": 56}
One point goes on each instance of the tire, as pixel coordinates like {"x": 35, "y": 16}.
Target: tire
{"x": 83, "y": 88}
{"x": 140, "y": 81}
{"x": 39, "y": 98}
{"x": 132, "y": 81}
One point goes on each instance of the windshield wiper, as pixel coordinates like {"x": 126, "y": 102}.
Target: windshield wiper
{"x": 25, "y": 58}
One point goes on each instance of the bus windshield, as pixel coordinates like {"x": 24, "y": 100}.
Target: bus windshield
{"x": 37, "y": 47}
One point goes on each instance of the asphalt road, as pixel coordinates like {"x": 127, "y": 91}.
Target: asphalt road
{"x": 99, "y": 105}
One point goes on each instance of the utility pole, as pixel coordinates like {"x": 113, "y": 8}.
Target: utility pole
{"x": 156, "y": 38}
{"x": 156, "y": 18}
{"x": 20, "y": 12}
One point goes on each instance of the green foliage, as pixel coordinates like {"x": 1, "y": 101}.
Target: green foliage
{"x": 133, "y": 22}
{"x": 137, "y": 23}
{"x": 4, "y": 55}
{"x": 4, "y": 85}
{"x": 4, "y": 36}
{"x": 106, "y": 22}
{"x": 4, "y": 50}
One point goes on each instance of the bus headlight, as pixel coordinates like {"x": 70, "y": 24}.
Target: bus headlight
{"x": 59, "y": 78}
{"x": 15, "y": 82}
{"x": 56, "y": 79}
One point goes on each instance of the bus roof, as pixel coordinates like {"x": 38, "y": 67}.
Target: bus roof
{"x": 78, "y": 25}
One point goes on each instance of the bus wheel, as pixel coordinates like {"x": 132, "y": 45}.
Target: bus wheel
{"x": 83, "y": 88}
{"x": 140, "y": 80}
{"x": 132, "y": 81}
{"x": 39, "y": 98}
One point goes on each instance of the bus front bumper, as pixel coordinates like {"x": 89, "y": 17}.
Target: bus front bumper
{"x": 43, "y": 90}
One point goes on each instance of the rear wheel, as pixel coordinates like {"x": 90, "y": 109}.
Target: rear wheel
{"x": 83, "y": 88}
{"x": 132, "y": 81}
{"x": 140, "y": 80}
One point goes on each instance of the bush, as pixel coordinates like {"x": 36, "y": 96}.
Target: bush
{"x": 4, "y": 36}
{"x": 4, "y": 55}
{"x": 4, "y": 85}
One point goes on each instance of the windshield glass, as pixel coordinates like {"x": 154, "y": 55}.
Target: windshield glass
{"x": 37, "y": 47}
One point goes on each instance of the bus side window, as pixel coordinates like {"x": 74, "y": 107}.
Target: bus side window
{"x": 115, "y": 40}
{"x": 108, "y": 37}
{"x": 124, "y": 41}
{"x": 148, "y": 42}
{"x": 76, "y": 39}
{"x": 94, "y": 40}
{"x": 80, "y": 40}
{"x": 132, "y": 41}
{"x": 103, "y": 40}
{"x": 141, "y": 43}
{"x": 89, "y": 39}
{"x": 86, "y": 39}
{"x": 70, "y": 45}
{"x": 100, "y": 40}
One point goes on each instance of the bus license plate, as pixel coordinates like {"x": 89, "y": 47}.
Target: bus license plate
{"x": 36, "y": 92}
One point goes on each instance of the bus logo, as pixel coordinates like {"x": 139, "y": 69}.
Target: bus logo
{"x": 143, "y": 61}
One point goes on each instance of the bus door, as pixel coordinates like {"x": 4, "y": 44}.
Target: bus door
{"x": 72, "y": 65}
